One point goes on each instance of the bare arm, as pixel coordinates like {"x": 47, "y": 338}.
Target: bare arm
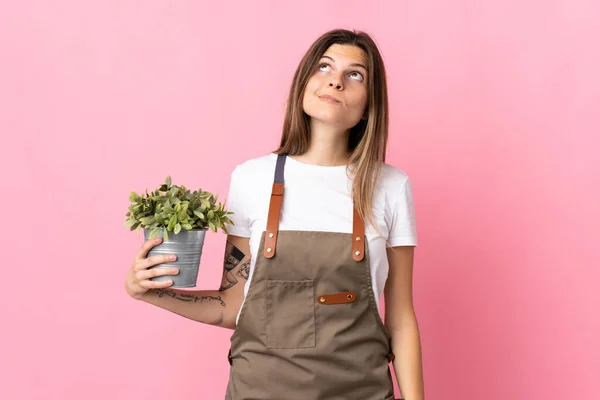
{"x": 215, "y": 307}
{"x": 401, "y": 322}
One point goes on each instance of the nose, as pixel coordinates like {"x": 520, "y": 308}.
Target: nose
{"x": 336, "y": 82}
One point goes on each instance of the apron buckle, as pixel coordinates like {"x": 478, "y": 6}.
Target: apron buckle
{"x": 391, "y": 356}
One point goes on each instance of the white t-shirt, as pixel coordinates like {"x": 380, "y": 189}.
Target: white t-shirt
{"x": 318, "y": 198}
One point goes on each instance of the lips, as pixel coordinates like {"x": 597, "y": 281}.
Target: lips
{"x": 329, "y": 98}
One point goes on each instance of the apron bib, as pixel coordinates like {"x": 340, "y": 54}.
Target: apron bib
{"x": 309, "y": 328}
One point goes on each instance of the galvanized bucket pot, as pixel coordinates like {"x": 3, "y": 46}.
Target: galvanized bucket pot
{"x": 187, "y": 245}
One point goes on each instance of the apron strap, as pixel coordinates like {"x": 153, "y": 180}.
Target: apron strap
{"x": 275, "y": 208}
{"x": 358, "y": 237}
{"x": 358, "y": 226}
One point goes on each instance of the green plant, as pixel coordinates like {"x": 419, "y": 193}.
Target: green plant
{"x": 173, "y": 208}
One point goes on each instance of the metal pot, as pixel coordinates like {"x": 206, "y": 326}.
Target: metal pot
{"x": 187, "y": 246}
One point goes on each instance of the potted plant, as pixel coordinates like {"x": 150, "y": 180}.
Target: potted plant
{"x": 188, "y": 215}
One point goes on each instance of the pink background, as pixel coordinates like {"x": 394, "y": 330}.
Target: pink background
{"x": 494, "y": 116}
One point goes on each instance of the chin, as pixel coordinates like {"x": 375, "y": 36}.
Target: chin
{"x": 331, "y": 119}
{"x": 325, "y": 116}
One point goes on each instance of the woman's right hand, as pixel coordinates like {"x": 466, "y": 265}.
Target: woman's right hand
{"x": 138, "y": 280}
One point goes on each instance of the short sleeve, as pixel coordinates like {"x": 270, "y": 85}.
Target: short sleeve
{"x": 235, "y": 204}
{"x": 403, "y": 230}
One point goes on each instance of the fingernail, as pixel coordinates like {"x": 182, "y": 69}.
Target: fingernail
{"x": 172, "y": 257}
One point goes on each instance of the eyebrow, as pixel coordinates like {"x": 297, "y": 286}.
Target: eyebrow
{"x": 352, "y": 65}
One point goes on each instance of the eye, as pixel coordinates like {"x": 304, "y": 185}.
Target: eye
{"x": 323, "y": 65}
{"x": 357, "y": 75}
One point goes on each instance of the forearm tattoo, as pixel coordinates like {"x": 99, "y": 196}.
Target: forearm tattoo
{"x": 218, "y": 321}
{"x": 189, "y": 298}
{"x": 233, "y": 258}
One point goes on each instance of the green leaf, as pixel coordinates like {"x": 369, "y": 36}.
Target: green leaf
{"x": 172, "y": 222}
{"x": 210, "y": 215}
{"x": 198, "y": 214}
{"x": 133, "y": 197}
{"x": 154, "y": 232}
{"x": 187, "y": 227}
{"x": 177, "y": 228}
{"x": 147, "y": 220}
{"x": 212, "y": 226}
{"x": 168, "y": 181}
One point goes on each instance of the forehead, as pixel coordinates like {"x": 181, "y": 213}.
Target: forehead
{"x": 346, "y": 53}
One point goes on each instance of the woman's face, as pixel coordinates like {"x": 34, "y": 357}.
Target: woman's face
{"x": 336, "y": 93}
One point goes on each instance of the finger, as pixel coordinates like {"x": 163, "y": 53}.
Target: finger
{"x": 161, "y": 271}
{"x": 154, "y": 260}
{"x": 155, "y": 284}
{"x": 148, "y": 244}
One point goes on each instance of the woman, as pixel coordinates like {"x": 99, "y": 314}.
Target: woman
{"x": 323, "y": 227}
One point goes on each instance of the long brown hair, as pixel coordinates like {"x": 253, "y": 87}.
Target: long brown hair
{"x": 368, "y": 138}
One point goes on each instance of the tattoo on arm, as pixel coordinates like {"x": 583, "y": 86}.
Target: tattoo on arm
{"x": 244, "y": 270}
{"x": 228, "y": 281}
{"x": 218, "y": 321}
{"x": 233, "y": 257}
{"x": 189, "y": 298}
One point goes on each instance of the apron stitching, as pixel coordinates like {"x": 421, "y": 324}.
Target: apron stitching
{"x": 247, "y": 298}
{"x": 372, "y": 303}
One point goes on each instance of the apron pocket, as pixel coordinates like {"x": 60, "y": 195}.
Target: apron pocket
{"x": 290, "y": 314}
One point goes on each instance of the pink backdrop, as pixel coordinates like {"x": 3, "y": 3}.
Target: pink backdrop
{"x": 494, "y": 117}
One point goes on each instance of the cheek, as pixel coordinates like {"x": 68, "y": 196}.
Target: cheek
{"x": 309, "y": 92}
{"x": 359, "y": 100}
{"x": 311, "y": 86}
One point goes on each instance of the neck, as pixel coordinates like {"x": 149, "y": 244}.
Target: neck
{"x": 328, "y": 145}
